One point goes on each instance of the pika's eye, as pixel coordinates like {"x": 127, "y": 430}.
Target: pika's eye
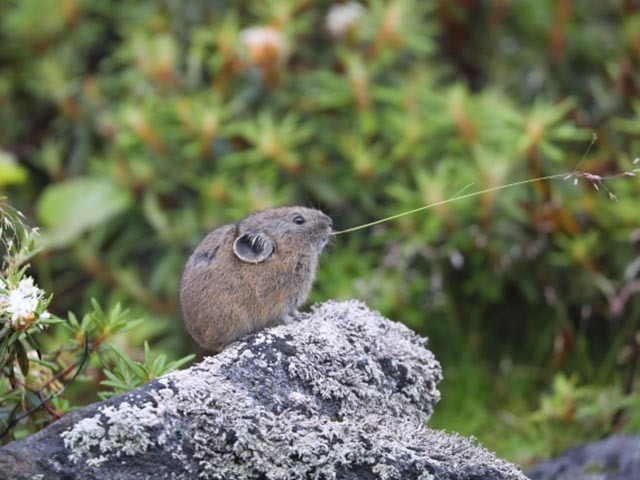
{"x": 298, "y": 219}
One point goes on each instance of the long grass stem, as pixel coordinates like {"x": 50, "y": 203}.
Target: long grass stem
{"x": 455, "y": 198}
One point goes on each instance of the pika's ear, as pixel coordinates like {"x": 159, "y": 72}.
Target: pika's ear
{"x": 253, "y": 247}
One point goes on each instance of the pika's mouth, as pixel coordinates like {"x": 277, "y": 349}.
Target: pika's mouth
{"x": 323, "y": 240}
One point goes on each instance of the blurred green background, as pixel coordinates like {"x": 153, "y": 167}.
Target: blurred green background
{"x": 130, "y": 129}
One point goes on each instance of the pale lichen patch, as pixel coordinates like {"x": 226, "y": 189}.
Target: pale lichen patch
{"x": 122, "y": 429}
{"x": 85, "y": 434}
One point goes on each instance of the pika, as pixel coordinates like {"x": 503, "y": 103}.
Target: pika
{"x": 251, "y": 274}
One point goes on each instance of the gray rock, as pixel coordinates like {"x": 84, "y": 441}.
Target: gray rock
{"x": 616, "y": 458}
{"x": 342, "y": 394}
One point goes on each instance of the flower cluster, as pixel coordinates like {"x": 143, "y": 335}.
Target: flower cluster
{"x": 265, "y": 45}
{"x": 23, "y": 305}
{"x": 341, "y": 18}
{"x": 265, "y": 48}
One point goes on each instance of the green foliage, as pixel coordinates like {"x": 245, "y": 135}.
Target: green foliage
{"x": 99, "y": 325}
{"x": 69, "y": 208}
{"x": 135, "y": 128}
{"x": 581, "y": 407}
{"x": 128, "y": 374}
{"x": 10, "y": 171}
{"x": 32, "y": 378}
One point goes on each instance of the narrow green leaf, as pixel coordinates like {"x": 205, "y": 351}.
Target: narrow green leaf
{"x": 4, "y": 331}
{"x": 133, "y": 367}
{"x": 177, "y": 364}
{"x": 158, "y": 365}
{"x": 33, "y": 343}
{"x": 23, "y": 359}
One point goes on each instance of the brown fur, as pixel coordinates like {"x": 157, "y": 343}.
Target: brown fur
{"x": 224, "y": 298}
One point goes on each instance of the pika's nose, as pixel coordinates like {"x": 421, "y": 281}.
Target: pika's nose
{"x": 327, "y": 221}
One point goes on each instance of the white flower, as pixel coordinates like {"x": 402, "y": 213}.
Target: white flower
{"x": 342, "y": 17}
{"x": 21, "y": 304}
{"x": 264, "y": 44}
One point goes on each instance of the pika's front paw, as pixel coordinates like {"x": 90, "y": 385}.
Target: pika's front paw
{"x": 291, "y": 317}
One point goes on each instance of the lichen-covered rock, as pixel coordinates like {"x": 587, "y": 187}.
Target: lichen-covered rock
{"x": 343, "y": 394}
